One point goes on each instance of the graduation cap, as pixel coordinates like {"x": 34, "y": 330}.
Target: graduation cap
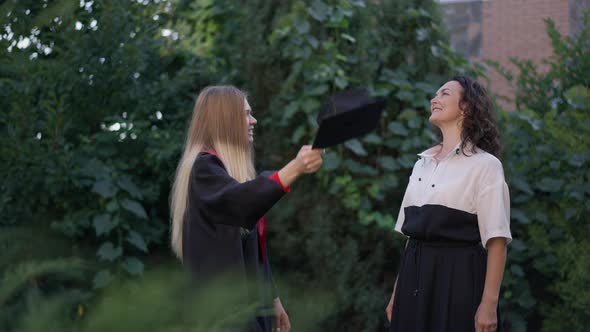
{"x": 348, "y": 114}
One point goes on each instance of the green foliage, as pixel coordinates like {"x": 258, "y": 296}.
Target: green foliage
{"x": 37, "y": 266}
{"x": 86, "y": 118}
{"x": 161, "y": 301}
{"x": 547, "y": 155}
{"x": 94, "y": 114}
{"x": 83, "y": 150}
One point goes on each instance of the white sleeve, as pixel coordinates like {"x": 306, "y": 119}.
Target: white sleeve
{"x": 401, "y": 216}
{"x": 405, "y": 202}
{"x": 493, "y": 205}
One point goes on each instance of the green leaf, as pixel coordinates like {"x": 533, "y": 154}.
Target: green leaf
{"x": 374, "y": 191}
{"x": 579, "y": 97}
{"x": 366, "y": 218}
{"x": 358, "y": 168}
{"x": 298, "y": 134}
{"x": 578, "y": 159}
{"x": 397, "y": 128}
{"x": 290, "y": 110}
{"x": 420, "y": 102}
{"x": 408, "y": 114}
{"x": 404, "y": 95}
{"x": 318, "y": 10}
{"x": 101, "y": 279}
{"x": 399, "y": 81}
{"x": 318, "y": 90}
{"x": 313, "y": 41}
{"x": 331, "y": 161}
{"x": 356, "y": 146}
{"x": 517, "y": 245}
{"x": 577, "y": 195}
{"x": 137, "y": 240}
{"x": 517, "y": 270}
{"x": 348, "y": 37}
{"x": 422, "y": 34}
{"x": 385, "y": 221}
{"x": 302, "y": 26}
{"x": 134, "y": 266}
{"x": 94, "y": 168}
{"x": 407, "y": 161}
{"x": 108, "y": 252}
{"x": 102, "y": 224}
{"x": 134, "y": 207}
{"x": 126, "y": 184}
{"x": 388, "y": 163}
{"x": 373, "y": 139}
{"x": 569, "y": 213}
{"x": 358, "y": 3}
{"x": 310, "y": 105}
{"x": 390, "y": 181}
{"x": 104, "y": 188}
{"x": 520, "y": 184}
{"x": 112, "y": 206}
{"x": 520, "y": 216}
{"x": 341, "y": 82}
{"x": 425, "y": 87}
{"x": 550, "y": 185}
{"x": 435, "y": 51}
{"x": 414, "y": 123}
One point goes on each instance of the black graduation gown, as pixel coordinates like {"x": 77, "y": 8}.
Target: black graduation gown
{"x": 259, "y": 275}
{"x": 219, "y": 235}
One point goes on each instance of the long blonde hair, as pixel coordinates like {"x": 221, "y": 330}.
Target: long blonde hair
{"x": 218, "y": 123}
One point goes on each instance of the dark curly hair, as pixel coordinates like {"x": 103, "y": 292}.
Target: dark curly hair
{"x": 479, "y": 121}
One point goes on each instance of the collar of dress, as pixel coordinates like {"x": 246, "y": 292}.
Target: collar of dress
{"x": 431, "y": 152}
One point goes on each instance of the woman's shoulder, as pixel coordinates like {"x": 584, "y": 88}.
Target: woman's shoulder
{"x": 485, "y": 158}
{"x": 207, "y": 163}
{"x": 487, "y": 166}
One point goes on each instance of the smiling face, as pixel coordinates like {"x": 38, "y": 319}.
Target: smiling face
{"x": 444, "y": 106}
{"x": 250, "y": 121}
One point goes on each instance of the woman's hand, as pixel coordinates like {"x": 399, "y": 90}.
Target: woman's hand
{"x": 281, "y": 323}
{"x": 309, "y": 160}
{"x": 486, "y": 318}
{"x": 389, "y": 309}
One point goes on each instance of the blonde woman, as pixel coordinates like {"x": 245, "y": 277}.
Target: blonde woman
{"x": 219, "y": 203}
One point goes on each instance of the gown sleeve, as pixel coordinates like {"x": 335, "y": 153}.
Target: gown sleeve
{"x": 222, "y": 200}
{"x": 273, "y": 286}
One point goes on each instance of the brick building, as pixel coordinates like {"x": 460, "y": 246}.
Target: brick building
{"x": 501, "y": 29}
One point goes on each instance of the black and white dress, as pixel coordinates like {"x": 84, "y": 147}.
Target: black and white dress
{"x": 451, "y": 208}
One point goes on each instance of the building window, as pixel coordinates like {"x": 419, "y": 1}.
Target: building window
{"x": 463, "y": 19}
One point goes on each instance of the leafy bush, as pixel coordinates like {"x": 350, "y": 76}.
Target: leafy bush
{"x": 547, "y": 155}
{"x": 93, "y": 117}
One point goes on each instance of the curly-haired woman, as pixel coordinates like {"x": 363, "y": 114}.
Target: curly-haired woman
{"x": 456, "y": 214}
